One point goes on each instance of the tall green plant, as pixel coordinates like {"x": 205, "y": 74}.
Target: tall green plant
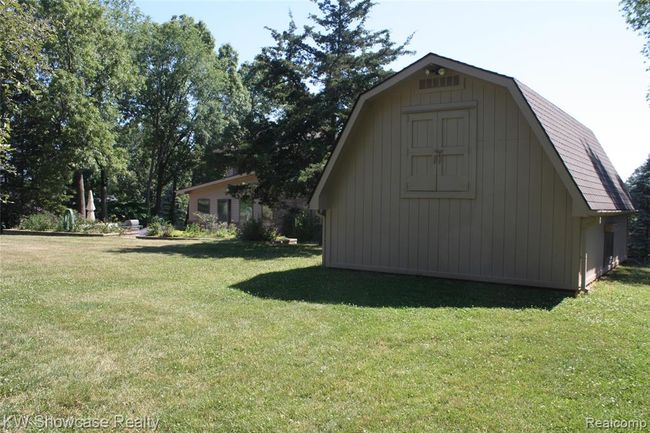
{"x": 303, "y": 88}
{"x": 22, "y": 36}
{"x": 639, "y": 187}
{"x": 72, "y": 127}
{"x": 183, "y": 108}
{"x": 637, "y": 15}
{"x": 69, "y": 220}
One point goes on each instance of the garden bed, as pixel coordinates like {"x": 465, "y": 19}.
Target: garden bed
{"x": 178, "y": 238}
{"x": 54, "y": 233}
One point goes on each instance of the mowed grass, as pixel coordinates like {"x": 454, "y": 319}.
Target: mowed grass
{"x": 232, "y": 337}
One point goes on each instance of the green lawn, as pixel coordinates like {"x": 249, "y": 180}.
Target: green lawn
{"x": 232, "y": 337}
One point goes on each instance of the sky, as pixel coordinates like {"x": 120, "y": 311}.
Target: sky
{"x": 578, "y": 54}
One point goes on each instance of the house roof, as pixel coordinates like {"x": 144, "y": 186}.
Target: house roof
{"x": 582, "y": 155}
{"x": 572, "y": 148}
{"x": 215, "y": 182}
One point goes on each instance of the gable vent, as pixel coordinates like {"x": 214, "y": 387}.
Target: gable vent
{"x": 439, "y": 82}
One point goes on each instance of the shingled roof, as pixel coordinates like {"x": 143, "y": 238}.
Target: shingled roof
{"x": 582, "y": 154}
{"x": 573, "y": 149}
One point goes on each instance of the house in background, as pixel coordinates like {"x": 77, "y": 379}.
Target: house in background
{"x": 450, "y": 170}
{"x": 213, "y": 198}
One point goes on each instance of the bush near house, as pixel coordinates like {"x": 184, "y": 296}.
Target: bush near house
{"x": 42, "y": 221}
{"x": 256, "y": 230}
{"x": 303, "y": 225}
{"x": 206, "y": 227}
{"x": 50, "y": 222}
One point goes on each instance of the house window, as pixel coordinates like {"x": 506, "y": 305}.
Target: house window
{"x": 245, "y": 211}
{"x": 203, "y": 205}
{"x": 438, "y": 154}
{"x": 223, "y": 210}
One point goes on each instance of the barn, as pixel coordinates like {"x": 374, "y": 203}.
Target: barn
{"x": 449, "y": 170}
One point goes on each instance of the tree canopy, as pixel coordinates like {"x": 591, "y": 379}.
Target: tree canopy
{"x": 94, "y": 93}
{"x": 303, "y": 88}
{"x": 22, "y": 36}
{"x": 637, "y": 15}
{"x": 639, "y": 186}
{"x": 191, "y": 96}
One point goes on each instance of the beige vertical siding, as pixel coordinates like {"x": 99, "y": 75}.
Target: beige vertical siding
{"x": 518, "y": 228}
{"x": 594, "y": 232}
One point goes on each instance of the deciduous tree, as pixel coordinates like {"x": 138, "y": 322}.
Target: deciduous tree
{"x": 72, "y": 127}
{"x": 637, "y": 15}
{"x": 22, "y": 35}
{"x": 185, "y": 105}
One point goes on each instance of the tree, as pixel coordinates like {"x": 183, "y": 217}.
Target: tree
{"x": 637, "y": 15}
{"x": 304, "y": 87}
{"x": 184, "y": 106}
{"x": 235, "y": 107}
{"x": 22, "y": 36}
{"x": 92, "y": 69}
{"x": 71, "y": 129}
{"x": 639, "y": 187}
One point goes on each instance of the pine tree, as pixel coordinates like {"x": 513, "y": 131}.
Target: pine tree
{"x": 303, "y": 89}
{"x": 639, "y": 186}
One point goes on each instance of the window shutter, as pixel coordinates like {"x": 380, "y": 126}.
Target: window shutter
{"x": 419, "y": 159}
{"x": 452, "y": 151}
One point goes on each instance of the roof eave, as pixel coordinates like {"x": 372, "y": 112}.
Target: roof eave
{"x": 213, "y": 182}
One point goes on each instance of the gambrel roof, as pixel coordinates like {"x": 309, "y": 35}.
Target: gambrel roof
{"x": 572, "y": 148}
{"x": 582, "y": 155}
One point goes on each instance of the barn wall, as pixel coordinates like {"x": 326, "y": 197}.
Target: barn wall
{"x": 594, "y": 232}
{"x": 518, "y": 228}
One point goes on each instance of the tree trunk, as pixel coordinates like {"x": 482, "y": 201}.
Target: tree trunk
{"x": 172, "y": 208}
{"x": 81, "y": 193}
{"x": 160, "y": 186}
{"x": 104, "y": 195}
{"x": 158, "y": 198}
{"x": 149, "y": 182}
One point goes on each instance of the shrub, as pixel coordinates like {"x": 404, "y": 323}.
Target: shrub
{"x": 208, "y": 225}
{"x": 226, "y": 231}
{"x": 207, "y": 221}
{"x": 82, "y": 225}
{"x": 302, "y": 224}
{"x": 102, "y": 227}
{"x": 156, "y": 226}
{"x": 308, "y": 227}
{"x": 193, "y": 230}
{"x": 255, "y": 230}
{"x": 42, "y": 221}
{"x": 69, "y": 222}
{"x": 159, "y": 227}
{"x": 167, "y": 230}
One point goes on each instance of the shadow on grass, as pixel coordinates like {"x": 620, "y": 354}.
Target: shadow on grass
{"x": 630, "y": 274}
{"x": 369, "y": 289}
{"x": 224, "y": 249}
